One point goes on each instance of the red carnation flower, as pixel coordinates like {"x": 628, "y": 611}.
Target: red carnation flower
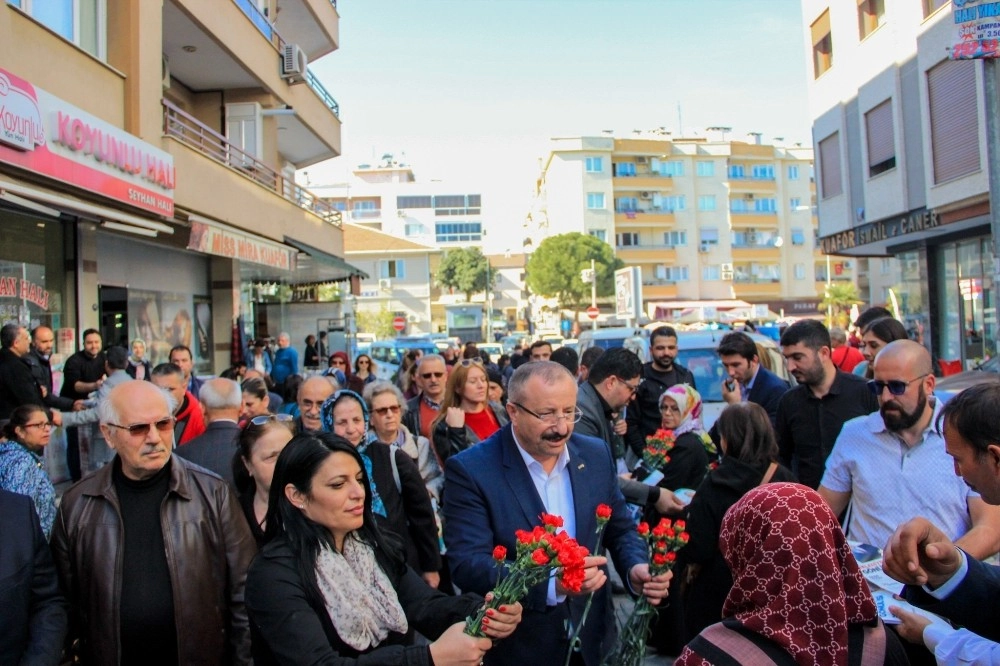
{"x": 500, "y": 553}
{"x": 603, "y": 513}
{"x": 540, "y": 557}
{"x": 552, "y": 521}
{"x": 643, "y": 529}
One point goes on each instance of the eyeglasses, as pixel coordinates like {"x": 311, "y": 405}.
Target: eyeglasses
{"x": 428, "y": 375}
{"x": 552, "y": 418}
{"x": 670, "y": 408}
{"x": 267, "y": 418}
{"x": 382, "y": 411}
{"x": 631, "y": 388}
{"x": 142, "y": 429}
{"x": 896, "y": 386}
{"x": 43, "y": 426}
{"x": 363, "y": 361}
{"x": 466, "y": 362}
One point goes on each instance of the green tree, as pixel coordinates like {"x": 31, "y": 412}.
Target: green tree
{"x": 555, "y": 267}
{"x": 378, "y": 322}
{"x": 465, "y": 269}
{"x": 838, "y": 299}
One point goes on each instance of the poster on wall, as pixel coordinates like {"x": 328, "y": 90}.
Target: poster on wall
{"x": 628, "y": 292}
{"x": 977, "y": 29}
{"x": 164, "y": 320}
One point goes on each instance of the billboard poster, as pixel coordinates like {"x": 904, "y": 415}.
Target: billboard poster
{"x": 977, "y": 29}
{"x": 628, "y": 292}
{"x": 166, "y": 319}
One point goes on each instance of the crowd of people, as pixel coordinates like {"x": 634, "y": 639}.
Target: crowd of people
{"x": 280, "y": 515}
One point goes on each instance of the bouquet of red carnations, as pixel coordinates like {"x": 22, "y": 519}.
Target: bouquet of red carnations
{"x": 655, "y": 456}
{"x": 540, "y": 552}
{"x": 663, "y": 542}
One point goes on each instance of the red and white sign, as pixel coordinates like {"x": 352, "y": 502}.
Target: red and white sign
{"x": 593, "y": 312}
{"x": 221, "y": 242}
{"x": 48, "y": 136}
{"x": 399, "y": 324}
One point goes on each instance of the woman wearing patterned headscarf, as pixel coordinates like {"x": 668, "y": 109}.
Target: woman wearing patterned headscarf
{"x": 680, "y": 411}
{"x": 798, "y": 595}
{"x": 399, "y": 499}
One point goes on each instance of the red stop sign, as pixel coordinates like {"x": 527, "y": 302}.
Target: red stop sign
{"x": 593, "y": 311}
{"x": 399, "y": 324}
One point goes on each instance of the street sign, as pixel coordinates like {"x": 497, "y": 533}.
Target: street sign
{"x": 593, "y": 311}
{"x": 399, "y": 324}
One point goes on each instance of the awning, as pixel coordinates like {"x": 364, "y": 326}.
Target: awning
{"x": 118, "y": 220}
{"x": 322, "y": 266}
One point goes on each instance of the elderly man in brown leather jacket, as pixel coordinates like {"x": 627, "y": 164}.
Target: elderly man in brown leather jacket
{"x": 151, "y": 550}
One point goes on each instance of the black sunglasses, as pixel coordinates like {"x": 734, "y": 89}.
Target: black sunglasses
{"x": 896, "y": 386}
{"x": 142, "y": 429}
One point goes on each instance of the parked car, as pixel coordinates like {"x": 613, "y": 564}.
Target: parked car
{"x": 636, "y": 339}
{"x": 950, "y": 386}
{"x": 494, "y": 349}
{"x": 388, "y": 354}
{"x": 512, "y": 340}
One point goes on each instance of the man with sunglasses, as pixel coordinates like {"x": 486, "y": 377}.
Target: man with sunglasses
{"x": 535, "y": 464}
{"x": 892, "y": 466}
{"x": 151, "y": 550}
{"x": 221, "y": 401}
{"x": 422, "y": 409}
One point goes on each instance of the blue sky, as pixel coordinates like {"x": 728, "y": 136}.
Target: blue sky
{"x": 454, "y": 83}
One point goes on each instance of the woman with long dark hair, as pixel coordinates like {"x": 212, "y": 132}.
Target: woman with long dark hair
{"x": 257, "y": 450}
{"x": 874, "y": 337}
{"x": 330, "y": 587}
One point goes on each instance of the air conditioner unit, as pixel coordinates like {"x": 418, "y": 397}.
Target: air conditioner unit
{"x": 748, "y": 196}
{"x": 640, "y": 160}
{"x": 848, "y": 265}
{"x": 645, "y": 195}
{"x": 413, "y": 319}
{"x": 704, "y": 247}
{"x": 727, "y": 275}
{"x": 165, "y": 69}
{"x": 726, "y": 268}
{"x": 385, "y": 284}
{"x": 294, "y": 63}
{"x": 751, "y": 238}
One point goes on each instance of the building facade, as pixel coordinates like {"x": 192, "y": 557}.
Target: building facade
{"x": 899, "y": 132}
{"x": 703, "y": 219}
{"x": 147, "y": 179}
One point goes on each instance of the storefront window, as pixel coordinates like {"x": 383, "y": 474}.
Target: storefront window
{"x": 33, "y": 278}
{"x": 949, "y": 321}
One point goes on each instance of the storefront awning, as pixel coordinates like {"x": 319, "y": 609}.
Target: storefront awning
{"x": 322, "y": 266}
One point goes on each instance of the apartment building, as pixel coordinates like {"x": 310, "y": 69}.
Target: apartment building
{"x": 899, "y": 132}
{"x": 146, "y": 169}
{"x": 705, "y": 219}
{"x": 387, "y": 197}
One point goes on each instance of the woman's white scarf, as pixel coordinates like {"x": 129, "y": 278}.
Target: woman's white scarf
{"x": 360, "y": 600}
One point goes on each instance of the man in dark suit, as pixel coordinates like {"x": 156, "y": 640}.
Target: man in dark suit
{"x": 534, "y": 465}
{"x": 221, "y": 400}
{"x": 34, "y": 610}
{"x": 748, "y": 380}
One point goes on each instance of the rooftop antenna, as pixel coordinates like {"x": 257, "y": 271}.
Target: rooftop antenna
{"x": 680, "y": 121}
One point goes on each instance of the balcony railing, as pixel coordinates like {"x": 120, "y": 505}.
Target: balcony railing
{"x": 366, "y": 213}
{"x": 266, "y": 28}
{"x": 754, "y": 279}
{"x": 192, "y": 133}
{"x": 765, "y": 245}
{"x": 647, "y": 247}
{"x": 753, "y": 212}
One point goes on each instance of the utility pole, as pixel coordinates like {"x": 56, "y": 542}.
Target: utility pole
{"x": 992, "y": 104}
{"x": 489, "y": 303}
{"x": 590, "y": 275}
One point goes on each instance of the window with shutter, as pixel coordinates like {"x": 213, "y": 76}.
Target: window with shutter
{"x": 881, "y": 139}
{"x": 951, "y": 92}
{"x": 822, "y": 41}
{"x": 829, "y": 164}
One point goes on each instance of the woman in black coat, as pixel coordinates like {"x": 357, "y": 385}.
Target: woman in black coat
{"x": 331, "y": 588}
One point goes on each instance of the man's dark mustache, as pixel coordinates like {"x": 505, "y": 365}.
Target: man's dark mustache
{"x": 554, "y": 437}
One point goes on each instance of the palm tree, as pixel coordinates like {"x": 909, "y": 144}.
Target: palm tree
{"x": 837, "y": 302}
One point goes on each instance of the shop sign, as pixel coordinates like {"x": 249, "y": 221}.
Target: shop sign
{"x": 25, "y": 290}
{"x": 977, "y": 29}
{"x": 221, "y": 242}
{"x": 48, "y": 136}
{"x": 912, "y": 223}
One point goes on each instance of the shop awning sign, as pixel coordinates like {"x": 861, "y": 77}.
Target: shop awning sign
{"x": 977, "y": 29}
{"x": 210, "y": 239}
{"x": 46, "y": 135}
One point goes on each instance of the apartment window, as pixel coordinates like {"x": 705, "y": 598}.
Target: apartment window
{"x": 595, "y": 200}
{"x": 931, "y": 6}
{"x": 627, "y": 239}
{"x": 795, "y": 203}
{"x": 822, "y": 43}
{"x": 798, "y": 236}
{"x": 871, "y": 16}
{"x": 793, "y": 172}
{"x": 739, "y": 206}
{"x": 765, "y": 205}
{"x": 414, "y": 229}
{"x": 403, "y": 203}
{"x": 737, "y": 171}
{"x": 83, "y": 22}
{"x": 800, "y": 271}
{"x": 711, "y": 273}
{"x": 675, "y": 238}
{"x": 671, "y": 273}
{"x": 951, "y": 91}
{"x": 455, "y": 232}
{"x": 244, "y": 130}
{"x": 829, "y": 164}
{"x": 671, "y": 169}
{"x": 881, "y": 139}
{"x": 391, "y": 268}
{"x": 627, "y": 204}
{"x": 706, "y": 169}
{"x": 706, "y": 202}
{"x": 595, "y": 164}
{"x": 599, "y": 234}
{"x": 708, "y": 236}
{"x": 624, "y": 168}
{"x": 674, "y": 203}
{"x": 763, "y": 171}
